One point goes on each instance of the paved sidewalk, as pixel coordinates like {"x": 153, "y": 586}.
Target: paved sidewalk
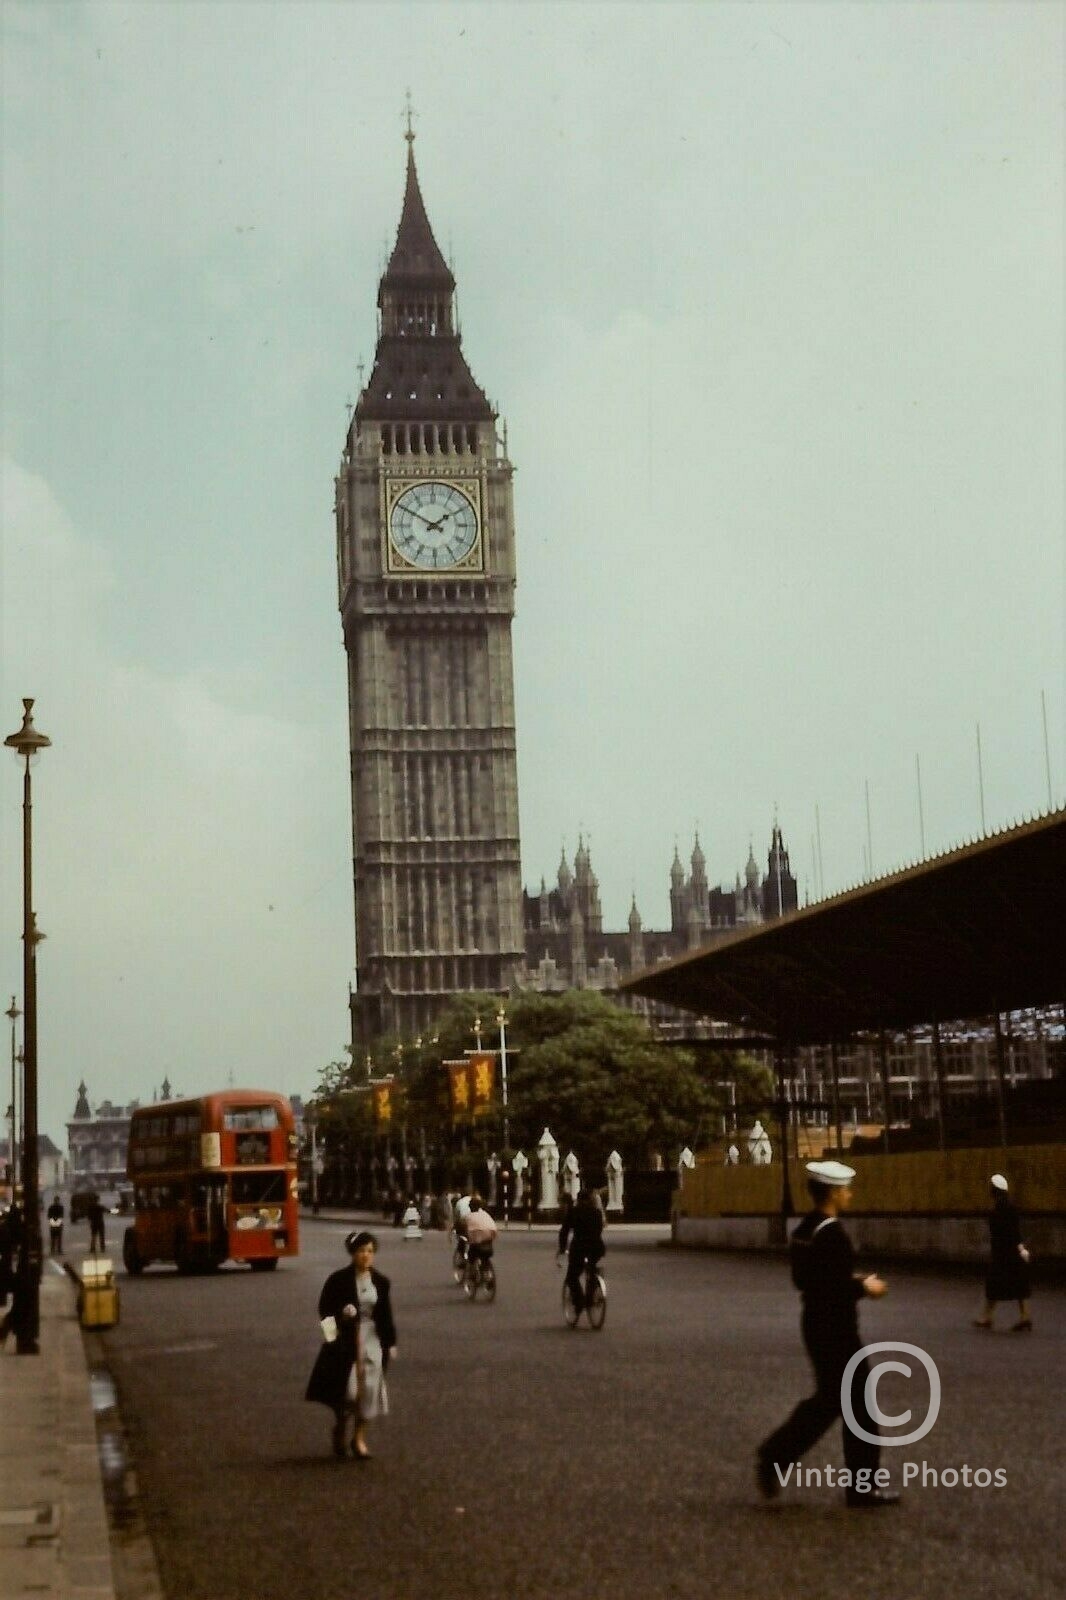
{"x": 54, "y": 1542}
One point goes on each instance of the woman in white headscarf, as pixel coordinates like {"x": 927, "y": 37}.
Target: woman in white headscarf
{"x": 1008, "y": 1274}
{"x": 349, "y": 1374}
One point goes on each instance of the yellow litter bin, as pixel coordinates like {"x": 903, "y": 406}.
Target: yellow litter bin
{"x": 98, "y": 1297}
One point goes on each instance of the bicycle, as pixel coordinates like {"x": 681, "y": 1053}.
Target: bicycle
{"x": 459, "y": 1257}
{"x": 595, "y": 1306}
{"x": 479, "y": 1274}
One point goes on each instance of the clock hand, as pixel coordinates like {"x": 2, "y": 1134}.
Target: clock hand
{"x": 421, "y": 518}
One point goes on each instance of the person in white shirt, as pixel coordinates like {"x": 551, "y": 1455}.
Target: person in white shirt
{"x": 478, "y": 1229}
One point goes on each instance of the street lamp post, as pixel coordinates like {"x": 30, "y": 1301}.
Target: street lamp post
{"x": 312, "y": 1118}
{"x": 501, "y": 1022}
{"x": 14, "y": 1013}
{"x": 20, "y": 1111}
{"x": 27, "y": 744}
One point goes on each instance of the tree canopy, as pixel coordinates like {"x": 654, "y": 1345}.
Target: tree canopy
{"x": 578, "y": 1064}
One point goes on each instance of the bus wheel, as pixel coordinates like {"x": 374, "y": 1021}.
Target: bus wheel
{"x": 130, "y": 1257}
{"x": 264, "y": 1264}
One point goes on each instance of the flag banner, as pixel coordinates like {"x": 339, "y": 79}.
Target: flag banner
{"x": 382, "y": 1093}
{"x": 482, "y": 1081}
{"x": 459, "y": 1089}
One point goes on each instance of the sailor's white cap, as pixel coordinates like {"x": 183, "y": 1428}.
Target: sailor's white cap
{"x": 834, "y": 1173}
{"x": 999, "y": 1182}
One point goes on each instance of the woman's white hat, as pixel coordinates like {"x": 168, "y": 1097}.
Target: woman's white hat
{"x": 834, "y": 1173}
{"x": 999, "y": 1182}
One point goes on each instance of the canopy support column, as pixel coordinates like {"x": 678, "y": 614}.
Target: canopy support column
{"x": 782, "y": 1108}
{"x": 938, "y": 1063}
{"x": 834, "y": 1074}
{"x": 886, "y": 1090}
{"x": 1001, "y": 1073}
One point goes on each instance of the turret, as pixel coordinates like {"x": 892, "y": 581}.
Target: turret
{"x": 636, "y": 938}
{"x": 698, "y": 890}
{"x": 677, "y": 894}
{"x": 565, "y": 879}
{"x": 578, "y": 952}
{"x": 587, "y": 889}
{"x": 780, "y": 892}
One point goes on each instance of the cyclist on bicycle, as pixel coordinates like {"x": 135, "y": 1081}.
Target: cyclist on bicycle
{"x": 459, "y": 1211}
{"x": 478, "y": 1229}
{"x": 582, "y": 1229}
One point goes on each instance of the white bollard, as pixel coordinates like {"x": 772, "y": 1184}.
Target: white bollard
{"x": 615, "y": 1182}
{"x": 518, "y": 1167}
{"x": 760, "y": 1151}
{"x": 548, "y": 1156}
{"x": 571, "y": 1176}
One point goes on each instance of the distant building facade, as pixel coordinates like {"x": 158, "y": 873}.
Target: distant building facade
{"x": 566, "y": 946}
{"x": 96, "y": 1142}
{"x": 51, "y": 1165}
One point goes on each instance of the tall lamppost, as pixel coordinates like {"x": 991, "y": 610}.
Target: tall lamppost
{"x": 20, "y": 1113}
{"x": 27, "y": 744}
{"x": 311, "y": 1120}
{"x": 501, "y": 1023}
{"x": 14, "y": 1013}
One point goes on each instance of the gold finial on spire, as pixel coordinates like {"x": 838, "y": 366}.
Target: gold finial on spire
{"x": 410, "y": 115}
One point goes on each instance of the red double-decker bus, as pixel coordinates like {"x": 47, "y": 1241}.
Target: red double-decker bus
{"x": 214, "y": 1179}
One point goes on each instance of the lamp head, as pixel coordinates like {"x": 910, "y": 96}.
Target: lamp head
{"x": 28, "y": 742}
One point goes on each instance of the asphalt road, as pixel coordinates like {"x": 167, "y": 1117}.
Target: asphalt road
{"x": 523, "y": 1460}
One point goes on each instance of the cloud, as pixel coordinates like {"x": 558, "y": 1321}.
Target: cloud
{"x": 180, "y": 843}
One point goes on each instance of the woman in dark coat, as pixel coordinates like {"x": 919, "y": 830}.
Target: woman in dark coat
{"x": 349, "y": 1374}
{"x": 1008, "y": 1274}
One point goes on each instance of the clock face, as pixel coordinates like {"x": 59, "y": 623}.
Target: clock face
{"x": 433, "y": 526}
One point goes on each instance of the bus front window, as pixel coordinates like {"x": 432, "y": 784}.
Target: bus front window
{"x": 258, "y": 1188}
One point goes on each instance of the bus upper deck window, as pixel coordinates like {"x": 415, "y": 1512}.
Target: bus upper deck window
{"x": 250, "y": 1119}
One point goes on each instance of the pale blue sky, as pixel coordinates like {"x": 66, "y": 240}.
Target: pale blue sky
{"x": 771, "y": 298}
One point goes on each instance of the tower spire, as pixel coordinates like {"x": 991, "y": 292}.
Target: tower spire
{"x": 409, "y": 135}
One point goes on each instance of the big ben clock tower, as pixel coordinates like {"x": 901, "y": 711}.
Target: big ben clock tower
{"x": 426, "y": 573}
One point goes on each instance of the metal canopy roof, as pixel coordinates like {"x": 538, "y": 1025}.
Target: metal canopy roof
{"x": 974, "y": 931}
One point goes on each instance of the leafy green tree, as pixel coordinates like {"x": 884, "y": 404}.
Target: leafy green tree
{"x": 590, "y": 1071}
{"x": 578, "y": 1064}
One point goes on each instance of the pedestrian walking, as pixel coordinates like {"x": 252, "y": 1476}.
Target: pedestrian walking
{"x": 823, "y": 1270}
{"x": 55, "y": 1227}
{"x": 96, "y": 1225}
{"x": 1008, "y": 1275}
{"x": 10, "y": 1245}
{"x": 360, "y": 1339}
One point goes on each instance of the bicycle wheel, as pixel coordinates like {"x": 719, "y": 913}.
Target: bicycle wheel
{"x": 569, "y": 1308}
{"x": 596, "y": 1305}
{"x": 472, "y": 1280}
{"x": 488, "y": 1280}
{"x": 458, "y": 1263}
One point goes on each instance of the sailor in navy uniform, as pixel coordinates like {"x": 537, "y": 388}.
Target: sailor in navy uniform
{"x": 823, "y": 1270}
